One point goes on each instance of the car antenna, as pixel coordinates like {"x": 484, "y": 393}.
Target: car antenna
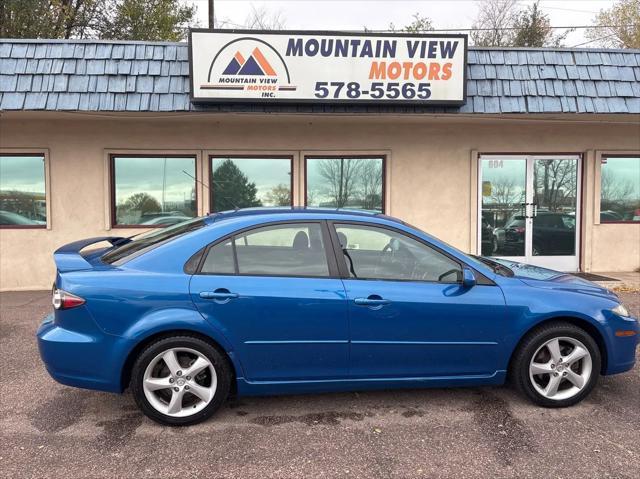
{"x": 195, "y": 179}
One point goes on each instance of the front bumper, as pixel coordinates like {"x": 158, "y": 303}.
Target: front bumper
{"x": 621, "y": 350}
{"x": 84, "y": 359}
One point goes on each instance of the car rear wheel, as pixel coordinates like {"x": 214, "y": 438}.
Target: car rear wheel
{"x": 181, "y": 380}
{"x": 557, "y": 365}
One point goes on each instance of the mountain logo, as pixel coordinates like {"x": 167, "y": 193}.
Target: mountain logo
{"x": 255, "y": 65}
{"x": 247, "y": 68}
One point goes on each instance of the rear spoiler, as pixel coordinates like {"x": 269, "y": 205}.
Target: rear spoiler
{"x": 68, "y": 257}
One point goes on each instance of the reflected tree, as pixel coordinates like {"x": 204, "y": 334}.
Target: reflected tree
{"x": 614, "y": 190}
{"x": 505, "y": 191}
{"x": 140, "y": 202}
{"x": 341, "y": 177}
{"x": 279, "y": 195}
{"x": 232, "y": 189}
{"x": 371, "y": 184}
{"x": 555, "y": 183}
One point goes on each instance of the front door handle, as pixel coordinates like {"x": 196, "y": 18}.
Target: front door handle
{"x": 373, "y": 300}
{"x": 219, "y": 294}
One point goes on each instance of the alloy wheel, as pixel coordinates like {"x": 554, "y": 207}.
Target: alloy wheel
{"x": 560, "y": 368}
{"x": 179, "y": 382}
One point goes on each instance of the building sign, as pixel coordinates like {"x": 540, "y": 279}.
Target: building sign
{"x": 302, "y": 67}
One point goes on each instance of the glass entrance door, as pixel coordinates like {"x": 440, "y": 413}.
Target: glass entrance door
{"x": 529, "y": 209}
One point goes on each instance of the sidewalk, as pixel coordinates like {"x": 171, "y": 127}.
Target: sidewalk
{"x": 624, "y": 281}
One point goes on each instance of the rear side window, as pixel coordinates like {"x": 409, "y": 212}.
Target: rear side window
{"x": 281, "y": 250}
{"x": 219, "y": 259}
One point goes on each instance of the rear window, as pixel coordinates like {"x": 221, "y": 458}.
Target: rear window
{"x": 148, "y": 241}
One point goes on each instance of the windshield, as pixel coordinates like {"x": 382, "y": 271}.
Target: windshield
{"x": 150, "y": 240}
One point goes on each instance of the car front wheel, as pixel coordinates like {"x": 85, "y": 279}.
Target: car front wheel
{"x": 181, "y": 380}
{"x": 557, "y": 365}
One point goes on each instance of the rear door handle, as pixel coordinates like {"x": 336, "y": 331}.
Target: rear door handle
{"x": 371, "y": 301}
{"x": 219, "y": 294}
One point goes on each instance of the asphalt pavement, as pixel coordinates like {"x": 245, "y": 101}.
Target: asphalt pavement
{"x": 49, "y": 430}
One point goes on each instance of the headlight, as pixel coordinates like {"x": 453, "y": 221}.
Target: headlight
{"x": 620, "y": 310}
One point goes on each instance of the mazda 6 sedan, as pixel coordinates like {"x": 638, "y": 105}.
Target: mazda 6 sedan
{"x": 280, "y": 301}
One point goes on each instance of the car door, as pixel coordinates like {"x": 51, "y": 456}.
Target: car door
{"x": 274, "y": 291}
{"x": 410, "y": 316}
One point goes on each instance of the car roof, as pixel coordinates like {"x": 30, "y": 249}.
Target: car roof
{"x": 244, "y": 212}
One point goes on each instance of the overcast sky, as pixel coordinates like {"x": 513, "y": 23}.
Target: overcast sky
{"x": 377, "y": 14}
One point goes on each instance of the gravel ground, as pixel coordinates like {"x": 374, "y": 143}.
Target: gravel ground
{"x": 48, "y": 430}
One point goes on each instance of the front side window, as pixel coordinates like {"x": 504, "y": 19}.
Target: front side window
{"x": 153, "y": 191}
{"x": 281, "y": 250}
{"x": 379, "y": 253}
{"x": 246, "y": 182}
{"x": 22, "y": 191}
{"x": 620, "y": 189}
{"x": 345, "y": 182}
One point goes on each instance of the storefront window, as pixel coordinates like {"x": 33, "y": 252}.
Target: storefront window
{"x": 345, "y": 182}
{"x": 153, "y": 191}
{"x": 22, "y": 191}
{"x": 246, "y": 182}
{"x": 620, "y": 189}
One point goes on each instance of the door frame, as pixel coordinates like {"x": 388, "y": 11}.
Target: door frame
{"x": 562, "y": 263}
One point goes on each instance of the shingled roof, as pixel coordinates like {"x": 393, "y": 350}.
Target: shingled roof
{"x": 76, "y": 75}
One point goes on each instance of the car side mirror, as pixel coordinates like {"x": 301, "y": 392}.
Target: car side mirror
{"x": 468, "y": 278}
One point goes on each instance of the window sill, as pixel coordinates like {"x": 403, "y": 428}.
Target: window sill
{"x": 137, "y": 227}
{"x": 23, "y": 227}
{"x": 629, "y": 222}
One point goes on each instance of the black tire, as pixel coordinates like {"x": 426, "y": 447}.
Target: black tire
{"x": 217, "y": 359}
{"x": 519, "y": 371}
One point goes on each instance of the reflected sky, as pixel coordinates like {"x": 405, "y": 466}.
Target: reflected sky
{"x": 22, "y": 173}
{"x": 148, "y": 175}
{"x": 266, "y": 173}
{"x": 626, "y": 169}
{"x": 507, "y": 178}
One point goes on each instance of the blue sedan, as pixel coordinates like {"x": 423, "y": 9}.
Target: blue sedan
{"x": 280, "y": 301}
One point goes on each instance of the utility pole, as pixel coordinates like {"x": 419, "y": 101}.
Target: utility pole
{"x": 211, "y": 23}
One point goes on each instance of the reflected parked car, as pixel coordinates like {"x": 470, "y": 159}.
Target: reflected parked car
{"x": 553, "y": 234}
{"x": 166, "y": 220}
{"x": 273, "y": 301}
{"x": 489, "y": 240}
{"x": 610, "y": 216}
{"x": 11, "y": 218}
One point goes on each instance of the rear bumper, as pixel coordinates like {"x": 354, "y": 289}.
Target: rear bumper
{"x": 80, "y": 359}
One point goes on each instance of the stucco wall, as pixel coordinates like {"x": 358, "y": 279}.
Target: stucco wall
{"x": 430, "y": 177}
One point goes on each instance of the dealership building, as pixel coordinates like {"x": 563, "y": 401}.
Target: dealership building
{"x": 531, "y": 154}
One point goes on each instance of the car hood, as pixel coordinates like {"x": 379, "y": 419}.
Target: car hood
{"x": 545, "y": 278}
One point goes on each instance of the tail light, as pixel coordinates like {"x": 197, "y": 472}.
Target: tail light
{"x": 63, "y": 300}
{"x": 519, "y": 229}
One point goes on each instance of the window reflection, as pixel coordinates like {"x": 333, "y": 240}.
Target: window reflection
{"x": 154, "y": 191}
{"x": 503, "y": 196}
{"x": 555, "y": 183}
{"x": 620, "y": 189}
{"x": 250, "y": 182}
{"x": 354, "y": 183}
{"x": 22, "y": 191}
